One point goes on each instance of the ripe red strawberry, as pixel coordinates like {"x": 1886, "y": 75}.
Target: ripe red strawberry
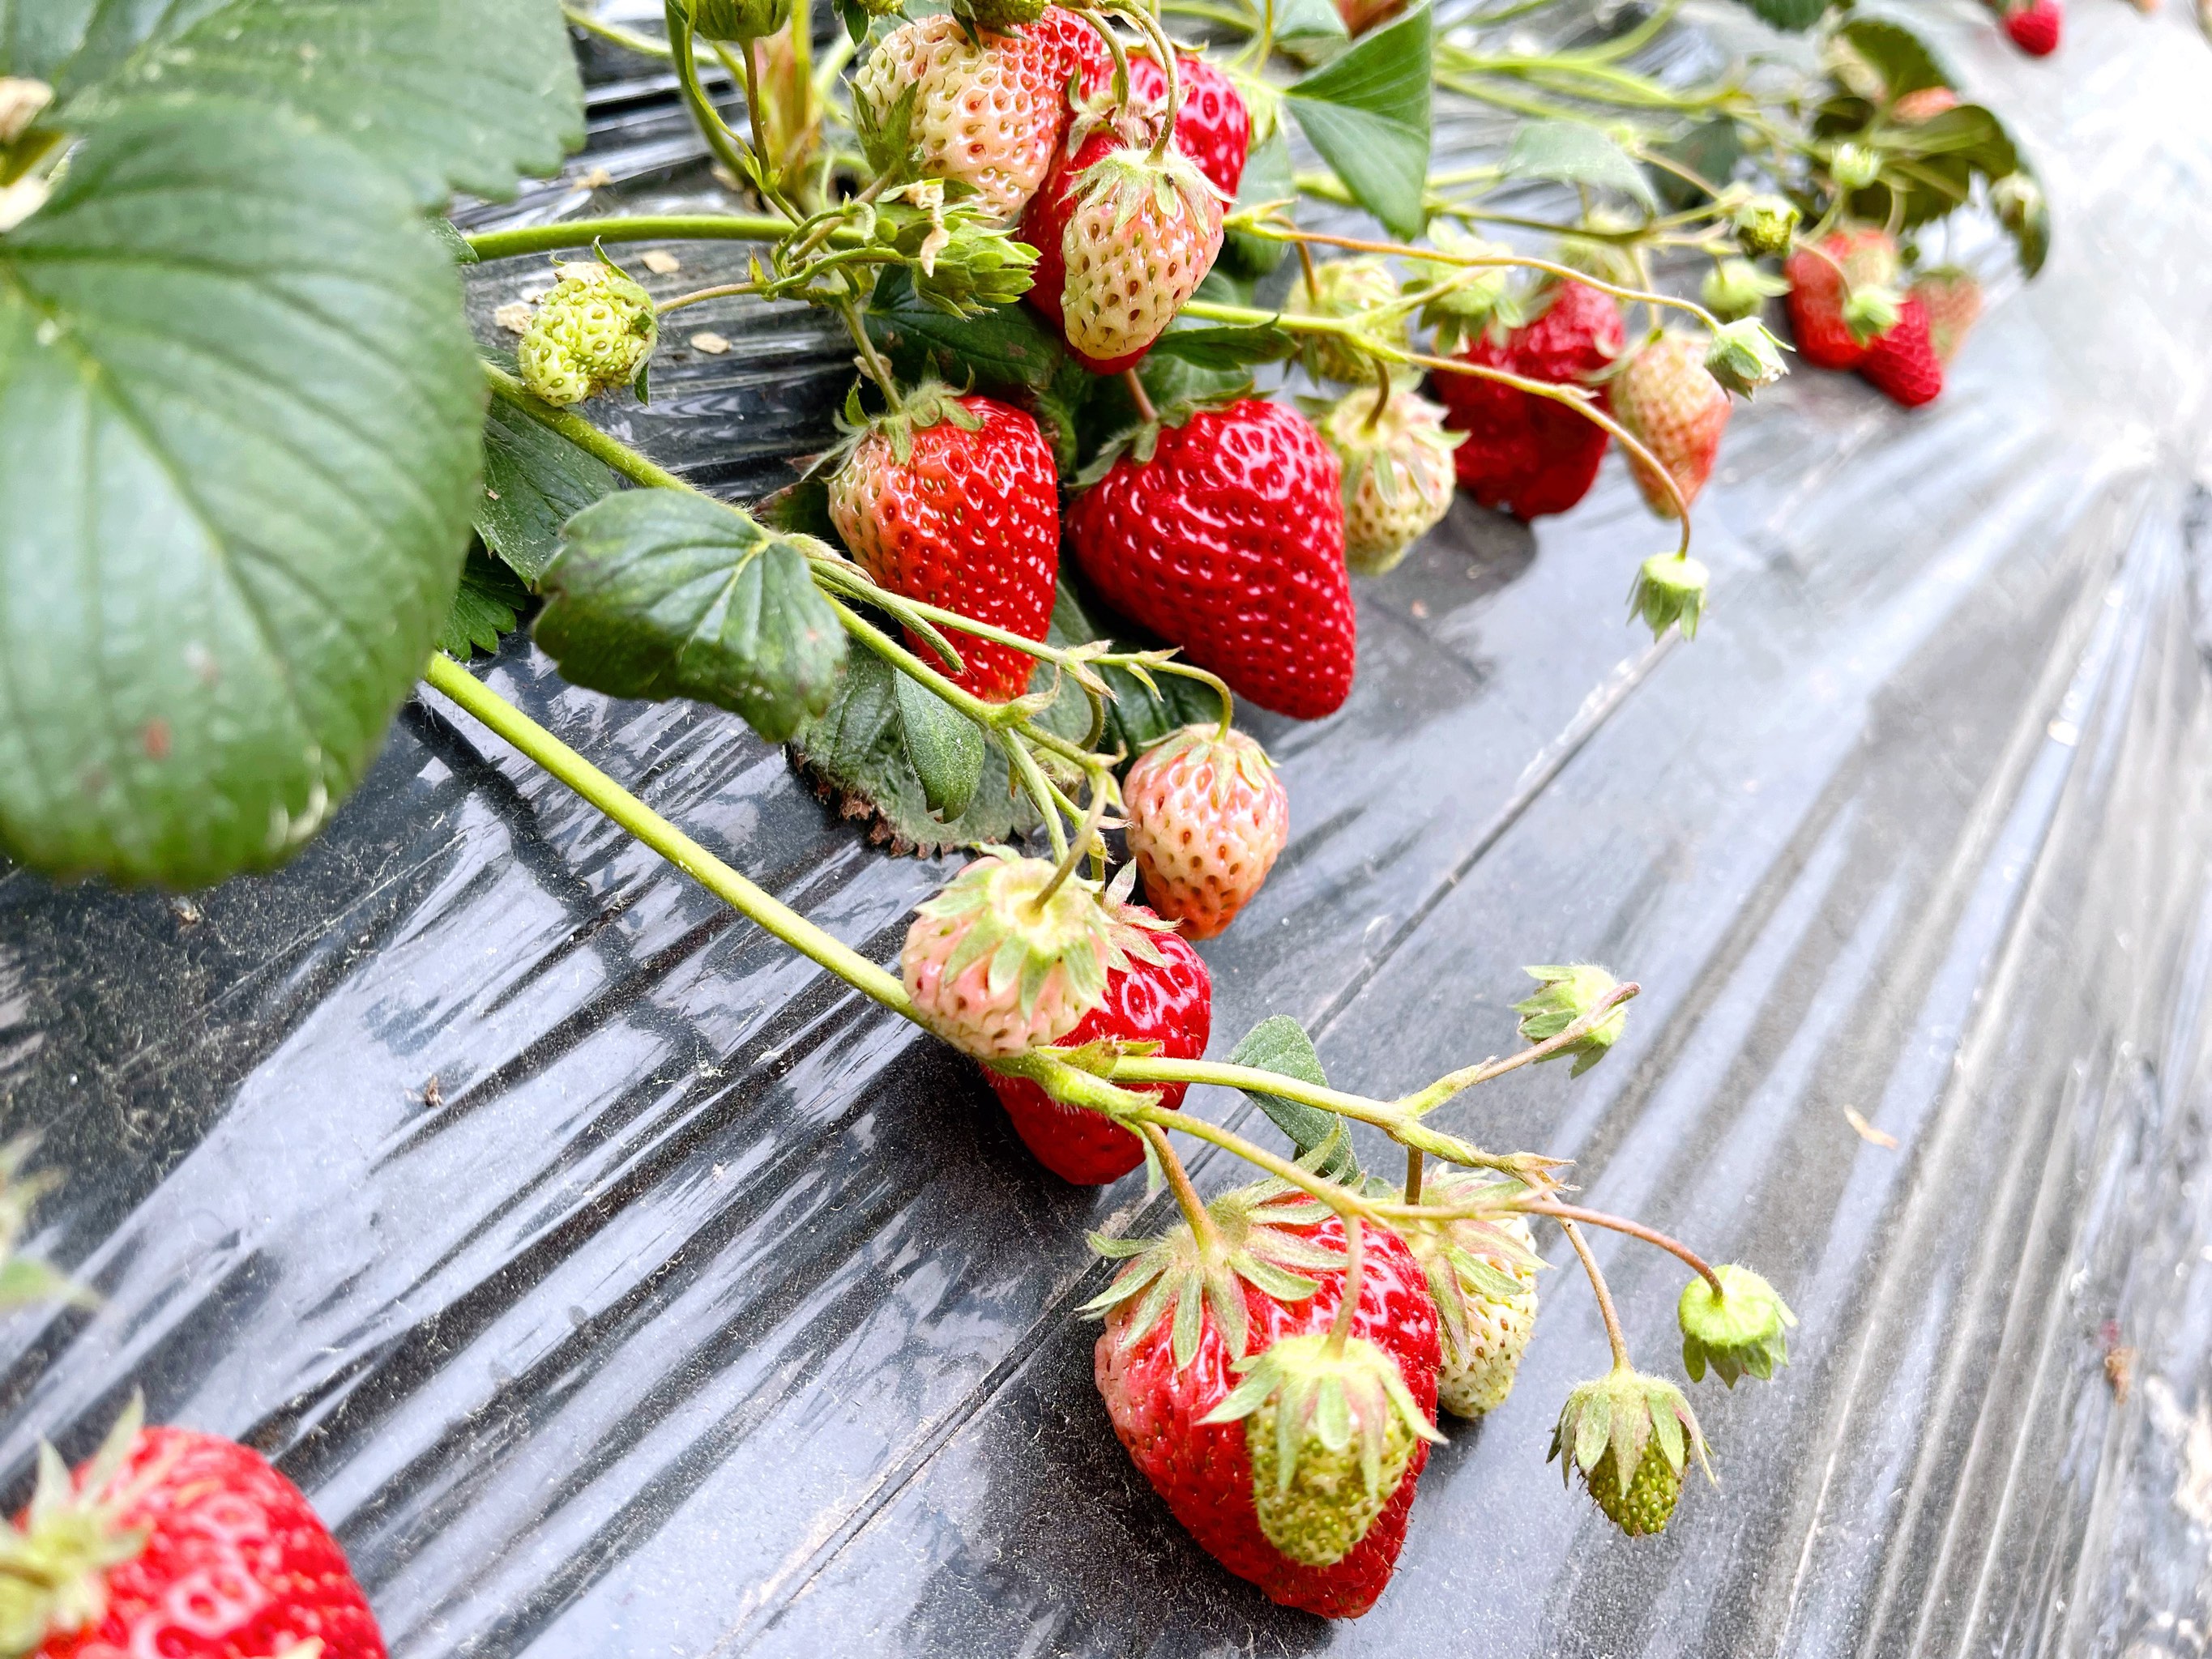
{"x": 1169, "y": 1002}
{"x": 1076, "y": 48}
{"x": 1207, "y": 817}
{"x": 2035, "y": 27}
{"x": 987, "y": 110}
{"x": 1163, "y": 1376}
{"x": 1822, "y": 279}
{"x": 1122, "y": 239}
{"x": 1212, "y": 126}
{"x": 183, "y": 1546}
{"x": 1902, "y": 365}
{"x": 1952, "y": 299}
{"x": 1666, "y": 398}
{"x": 1530, "y": 454}
{"x": 955, "y": 502}
{"x": 1227, "y": 538}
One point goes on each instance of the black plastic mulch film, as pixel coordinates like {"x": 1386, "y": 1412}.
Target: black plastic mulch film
{"x": 701, "y": 1307}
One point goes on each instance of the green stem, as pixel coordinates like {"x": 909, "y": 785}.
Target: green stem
{"x": 1568, "y": 1213}
{"x": 1427, "y": 1100}
{"x": 1620, "y": 1361}
{"x": 615, "y": 34}
{"x": 644, "y": 228}
{"x": 716, "y": 131}
{"x": 1196, "y": 1215}
{"x": 624, "y": 809}
{"x": 585, "y": 436}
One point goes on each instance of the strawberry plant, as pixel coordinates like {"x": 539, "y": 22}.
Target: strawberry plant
{"x": 260, "y": 480}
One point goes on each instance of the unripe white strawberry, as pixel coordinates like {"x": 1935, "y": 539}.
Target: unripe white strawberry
{"x": 988, "y": 111}
{"x": 1669, "y": 400}
{"x": 996, "y": 969}
{"x": 1398, "y": 475}
{"x": 1482, "y": 1276}
{"x": 1347, "y": 289}
{"x": 1207, "y": 817}
{"x": 594, "y": 332}
{"x": 1141, "y": 238}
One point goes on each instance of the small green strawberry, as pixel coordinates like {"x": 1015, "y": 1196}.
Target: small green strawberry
{"x": 1569, "y": 993}
{"x": 1736, "y": 288}
{"x": 1764, "y": 226}
{"x": 1330, "y": 1427}
{"x": 1630, "y": 1437}
{"x": 1669, "y": 589}
{"x": 1342, "y": 289}
{"x": 594, "y": 332}
{"x": 737, "y": 19}
{"x": 1740, "y": 1329}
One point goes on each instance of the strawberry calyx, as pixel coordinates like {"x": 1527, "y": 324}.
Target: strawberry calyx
{"x": 1741, "y": 1328}
{"x": 1027, "y": 928}
{"x": 54, "y": 1563}
{"x": 1236, "y": 757}
{"x": 1669, "y": 589}
{"x": 1626, "y": 1415}
{"x": 1141, "y": 441}
{"x": 1571, "y": 991}
{"x": 1180, "y": 1277}
{"x": 1318, "y": 1411}
{"x": 928, "y": 403}
{"x": 1472, "y": 1258}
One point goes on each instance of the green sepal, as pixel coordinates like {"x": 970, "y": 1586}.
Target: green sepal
{"x": 1569, "y": 993}
{"x": 1669, "y": 590}
{"x": 1741, "y": 1330}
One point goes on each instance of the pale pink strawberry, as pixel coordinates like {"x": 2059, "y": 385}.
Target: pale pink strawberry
{"x": 988, "y": 111}
{"x": 1398, "y": 473}
{"x": 1952, "y": 299}
{"x": 1207, "y": 817}
{"x": 1135, "y": 236}
{"x": 996, "y": 972}
{"x": 1668, "y": 398}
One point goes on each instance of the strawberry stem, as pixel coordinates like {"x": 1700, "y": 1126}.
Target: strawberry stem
{"x": 1605, "y": 1307}
{"x": 1427, "y": 1100}
{"x": 1138, "y": 396}
{"x": 1414, "y": 1162}
{"x": 1195, "y": 1213}
{"x": 644, "y": 228}
{"x": 1355, "y": 1246}
{"x": 1565, "y": 1213}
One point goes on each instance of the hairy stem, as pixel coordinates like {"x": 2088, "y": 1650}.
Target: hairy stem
{"x": 1620, "y": 1361}
{"x": 624, "y": 809}
{"x": 636, "y": 228}
{"x": 1566, "y": 1212}
{"x": 1195, "y": 1213}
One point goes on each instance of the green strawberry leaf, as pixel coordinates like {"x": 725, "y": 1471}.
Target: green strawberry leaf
{"x": 1792, "y": 16}
{"x": 856, "y": 755}
{"x": 240, "y": 421}
{"x": 661, "y": 593}
{"x": 1577, "y": 153}
{"x": 1268, "y": 177}
{"x": 485, "y": 608}
{"x": 448, "y": 94}
{"x": 943, "y": 745}
{"x": 1280, "y": 1044}
{"x": 1007, "y": 347}
{"x": 1308, "y": 28}
{"x": 1901, "y": 58}
{"x": 534, "y": 482}
{"x": 1711, "y": 149}
{"x": 1226, "y": 348}
{"x": 1367, "y": 112}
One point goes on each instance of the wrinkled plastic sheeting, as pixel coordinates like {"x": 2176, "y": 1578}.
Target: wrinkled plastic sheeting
{"x": 616, "y": 1283}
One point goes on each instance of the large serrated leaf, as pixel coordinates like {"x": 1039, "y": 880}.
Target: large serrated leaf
{"x": 1005, "y": 347}
{"x": 239, "y": 441}
{"x": 1367, "y": 112}
{"x": 450, "y": 94}
{"x": 1903, "y": 61}
{"x": 1280, "y": 1044}
{"x": 1577, "y": 153}
{"x": 943, "y": 745}
{"x": 1793, "y": 16}
{"x": 1226, "y": 348}
{"x": 534, "y": 482}
{"x": 661, "y": 593}
{"x": 485, "y": 608}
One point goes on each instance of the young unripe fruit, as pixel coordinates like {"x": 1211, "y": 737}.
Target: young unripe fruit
{"x": 1766, "y": 226}
{"x": 996, "y": 968}
{"x": 1630, "y": 1437}
{"x": 1345, "y": 288}
{"x": 1208, "y": 816}
{"x": 594, "y": 332}
{"x": 1482, "y": 1277}
{"x": 1668, "y": 400}
{"x": 1330, "y": 1428}
{"x": 737, "y": 19}
{"x": 1398, "y": 477}
{"x": 1741, "y": 1329}
{"x": 1736, "y": 288}
{"x": 1668, "y": 589}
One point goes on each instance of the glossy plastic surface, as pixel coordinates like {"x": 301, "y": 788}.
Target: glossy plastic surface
{"x": 616, "y": 1284}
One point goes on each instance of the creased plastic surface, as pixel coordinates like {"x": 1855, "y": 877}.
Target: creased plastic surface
{"x": 617, "y": 1285}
